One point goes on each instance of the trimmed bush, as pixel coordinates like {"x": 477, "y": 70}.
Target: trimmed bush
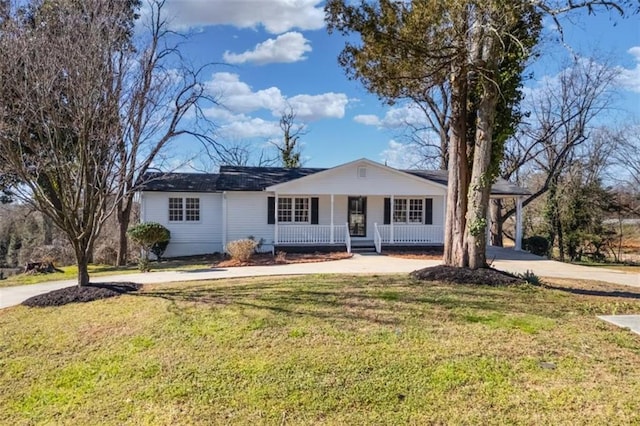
{"x": 536, "y": 244}
{"x": 147, "y": 235}
{"x": 241, "y": 250}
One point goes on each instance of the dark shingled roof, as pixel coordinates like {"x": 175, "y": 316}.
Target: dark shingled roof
{"x": 179, "y": 182}
{"x": 500, "y": 187}
{"x": 235, "y": 178}
{"x": 239, "y": 178}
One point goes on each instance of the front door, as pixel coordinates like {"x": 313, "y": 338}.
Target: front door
{"x": 358, "y": 216}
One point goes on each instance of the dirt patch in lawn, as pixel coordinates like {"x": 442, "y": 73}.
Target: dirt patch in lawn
{"x": 483, "y": 276}
{"x": 283, "y": 259}
{"x": 83, "y": 294}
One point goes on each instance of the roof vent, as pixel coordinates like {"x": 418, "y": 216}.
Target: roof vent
{"x": 362, "y": 172}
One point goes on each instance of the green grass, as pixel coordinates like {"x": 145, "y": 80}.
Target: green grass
{"x": 71, "y": 272}
{"x": 323, "y": 350}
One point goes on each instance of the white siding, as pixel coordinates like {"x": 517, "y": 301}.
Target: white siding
{"x": 187, "y": 238}
{"x": 379, "y": 180}
{"x": 247, "y": 216}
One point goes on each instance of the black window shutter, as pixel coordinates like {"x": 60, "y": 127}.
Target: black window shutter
{"x": 387, "y": 211}
{"x": 271, "y": 210}
{"x": 314, "y": 210}
{"x": 428, "y": 211}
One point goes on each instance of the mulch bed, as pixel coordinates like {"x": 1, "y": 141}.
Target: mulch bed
{"x": 266, "y": 259}
{"x": 483, "y": 276}
{"x": 83, "y": 294}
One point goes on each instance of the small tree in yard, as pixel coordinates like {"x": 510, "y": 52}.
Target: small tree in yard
{"x": 59, "y": 115}
{"x": 151, "y": 236}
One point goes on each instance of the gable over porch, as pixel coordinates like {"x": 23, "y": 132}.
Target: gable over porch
{"x": 358, "y": 202}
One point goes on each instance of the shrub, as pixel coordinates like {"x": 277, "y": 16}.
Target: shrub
{"x": 106, "y": 255}
{"x": 259, "y": 243}
{"x": 281, "y": 257}
{"x": 531, "y": 278}
{"x": 147, "y": 235}
{"x": 241, "y": 250}
{"x": 536, "y": 244}
{"x": 58, "y": 252}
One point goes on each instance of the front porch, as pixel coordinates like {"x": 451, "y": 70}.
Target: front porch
{"x": 335, "y": 237}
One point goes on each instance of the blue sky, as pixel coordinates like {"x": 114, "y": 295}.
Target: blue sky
{"x": 274, "y": 53}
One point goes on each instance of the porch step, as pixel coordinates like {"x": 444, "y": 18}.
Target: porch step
{"x": 363, "y": 246}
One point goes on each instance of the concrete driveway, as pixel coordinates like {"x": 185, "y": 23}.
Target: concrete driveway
{"x": 503, "y": 259}
{"x": 521, "y": 262}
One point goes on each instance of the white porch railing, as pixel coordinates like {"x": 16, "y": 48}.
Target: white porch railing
{"x": 377, "y": 238}
{"x": 411, "y": 234}
{"x": 311, "y": 234}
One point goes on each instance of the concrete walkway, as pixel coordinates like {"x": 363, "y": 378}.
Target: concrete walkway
{"x": 503, "y": 259}
{"x": 632, "y": 322}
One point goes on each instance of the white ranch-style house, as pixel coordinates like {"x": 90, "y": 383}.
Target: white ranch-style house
{"x": 358, "y": 204}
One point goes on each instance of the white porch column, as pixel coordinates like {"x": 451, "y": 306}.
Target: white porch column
{"x": 275, "y": 236}
{"x": 392, "y": 208}
{"x": 518, "y": 224}
{"x": 331, "y": 232}
{"x": 224, "y": 222}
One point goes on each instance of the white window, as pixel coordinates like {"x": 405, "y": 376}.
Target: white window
{"x": 184, "y": 209}
{"x": 175, "y": 210}
{"x": 192, "y": 209}
{"x": 293, "y": 210}
{"x": 415, "y": 210}
{"x": 302, "y": 210}
{"x": 400, "y": 211}
{"x": 285, "y": 210}
{"x": 408, "y": 210}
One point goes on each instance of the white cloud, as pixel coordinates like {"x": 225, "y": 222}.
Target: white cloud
{"x": 630, "y": 78}
{"x": 238, "y": 97}
{"x": 367, "y": 119}
{"x": 395, "y": 117}
{"x": 286, "y": 48}
{"x": 276, "y": 16}
{"x": 401, "y": 155}
{"x": 315, "y": 107}
{"x": 247, "y": 128}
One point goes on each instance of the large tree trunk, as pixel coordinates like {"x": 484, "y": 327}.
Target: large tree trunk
{"x": 82, "y": 259}
{"x": 495, "y": 213}
{"x": 481, "y": 179}
{"x": 124, "y": 218}
{"x": 455, "y": 253}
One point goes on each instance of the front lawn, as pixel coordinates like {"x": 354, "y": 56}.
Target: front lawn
{"x": 325, "y": 350}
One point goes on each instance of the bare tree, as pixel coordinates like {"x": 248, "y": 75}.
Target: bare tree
{"x": 59, "y": 114}
{"x": 562, "y": 116}
{"x": 289, "y": 148}
{"x": 431, "y": 137}
{"x": 628, "y": 153}
{"x": 233, "y": 153}
{"x": 161, "y": 98}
